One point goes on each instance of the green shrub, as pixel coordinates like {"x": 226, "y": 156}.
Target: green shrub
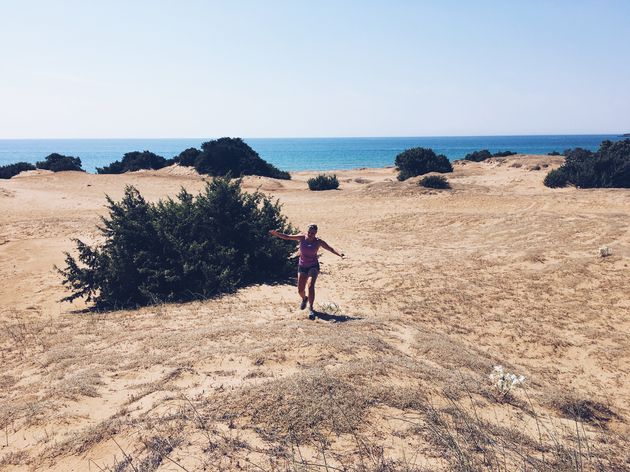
{"x": 609, "y": 167}
{"x": 187, "y": 157}
{"x": 58, "y": 162}
{"x": 323, "y": 182}
{"x": 176, "y": 250}
{"x": 8, "y": 171}
{"x": 232, "y": 156}
{"x": 554, "y": 153}
{"x": 504, "y": 154}
{"x": 556, "y": 178}
{"x": 418, "y": 161}
{"x": 478, "y": 156}
{"x": 435, "y": 181}
{"x": 133, "y": 161}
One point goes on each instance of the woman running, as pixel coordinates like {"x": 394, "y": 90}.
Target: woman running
{"x": 308, "y": 266}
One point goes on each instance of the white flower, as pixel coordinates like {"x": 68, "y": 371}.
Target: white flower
{"x": 505, "y": 381}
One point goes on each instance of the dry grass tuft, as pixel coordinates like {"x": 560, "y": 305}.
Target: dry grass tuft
{"x": 589, "y": 411}
{"x": 303, "y": 407}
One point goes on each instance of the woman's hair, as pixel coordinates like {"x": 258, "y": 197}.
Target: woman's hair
{"x": 312, "y": 227}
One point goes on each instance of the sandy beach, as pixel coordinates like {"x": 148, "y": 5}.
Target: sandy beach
{"x": 438, "y": 287}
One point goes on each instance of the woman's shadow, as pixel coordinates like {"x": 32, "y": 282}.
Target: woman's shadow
{"x": 335, "y": 318}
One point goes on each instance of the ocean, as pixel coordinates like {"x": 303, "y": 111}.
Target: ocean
{"x": 295, "y": 154}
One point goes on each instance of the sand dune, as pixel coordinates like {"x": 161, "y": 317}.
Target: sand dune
{"x": 438, "y": 287}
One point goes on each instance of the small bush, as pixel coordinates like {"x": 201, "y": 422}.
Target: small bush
{"x": 435, "y": 181}
{"x": 183, "y": 249}
{"x": 323, "y": 182}
{"x": 8, "y": 171}
{"x": 419, "y": 161}
{"x": 232, "y": 156}
{"x": 609, "y": 167}
{"x": 504, "y": 154}
{"x": 58, "y": 162}
{"x": 478, "y": 156}
{"x": 133, "y": 161}
{"x": 554, "y": 153}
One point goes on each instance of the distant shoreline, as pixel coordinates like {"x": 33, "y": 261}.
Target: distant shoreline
{"x": 297, "y": 154}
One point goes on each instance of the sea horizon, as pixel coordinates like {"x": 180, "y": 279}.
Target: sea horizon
{"x": 298, "y": 153}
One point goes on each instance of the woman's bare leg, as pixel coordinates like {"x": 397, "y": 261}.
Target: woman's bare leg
{"x": 302, "y": 279}
{"x": 313, "y": 273}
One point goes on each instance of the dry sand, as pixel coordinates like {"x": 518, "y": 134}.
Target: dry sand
{"x": 438, "y": 287}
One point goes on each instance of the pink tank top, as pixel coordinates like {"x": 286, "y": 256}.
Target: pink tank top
{"x": 308, "y": 252}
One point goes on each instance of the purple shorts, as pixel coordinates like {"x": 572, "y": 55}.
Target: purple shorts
{"x": 307, "y": 269}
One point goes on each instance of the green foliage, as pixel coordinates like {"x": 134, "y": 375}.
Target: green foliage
{"x": 175, "y": 250}
{"x": 504, "y": 154}
{"x": 556, "y": 178}
{"x": 609, "y": 167}
{"x": 8, "y": 171}
{"x": 554, "y": 153}
{"x": 323, "y": 182}
{"x": 478, "y": 156}
{"x": 435, "y": 181}
{"x": 232, "y": 156}
{"x": 418, "y": 161}
{"x": 133, "y": 161}
{"x": 58, "y": 162}
{"x": 187, "y": 157}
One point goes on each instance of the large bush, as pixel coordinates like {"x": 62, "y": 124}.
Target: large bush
{"x": 607, "y": 167}
{"x": 232, "y": 156}
{"x": 323, "y": 182}
{"x": 8, "y": 171}
{"x": 133, "y": 161}
{"x": 175, "y": 250}
{"x": 418, "y": 161}
{"x": 556, "y": 178}
{"x": 187, "y": 157}
{"x": 59, "y": 162}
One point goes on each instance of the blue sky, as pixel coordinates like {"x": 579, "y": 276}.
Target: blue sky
{"x": 80, "y": 69}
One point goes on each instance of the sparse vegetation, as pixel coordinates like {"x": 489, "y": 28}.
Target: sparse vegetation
{"x": 323, "y": 182}
{"x": 435, "y": 181}
{"x": 58, "y": 162}
{"x": 608, "y": 167}
{"x": 133, "y": 161}
{"x": 192, "y": 247}
{"x": 554, "y": 153}
{"x": 431, "y": 300}
{"x": 232, "y": 156}
{"x": 419, "y": 161}
{"x": 10, "y": 170}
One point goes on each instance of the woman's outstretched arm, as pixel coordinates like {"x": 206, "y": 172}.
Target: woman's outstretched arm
{"x": 290, "y": 237}
{"x": 328, "y": 248}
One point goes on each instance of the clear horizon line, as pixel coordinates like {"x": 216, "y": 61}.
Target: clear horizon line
{"x": 621, "y": 134}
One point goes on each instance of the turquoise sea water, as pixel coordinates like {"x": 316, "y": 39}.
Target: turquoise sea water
{"x": 293, "y": 154}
